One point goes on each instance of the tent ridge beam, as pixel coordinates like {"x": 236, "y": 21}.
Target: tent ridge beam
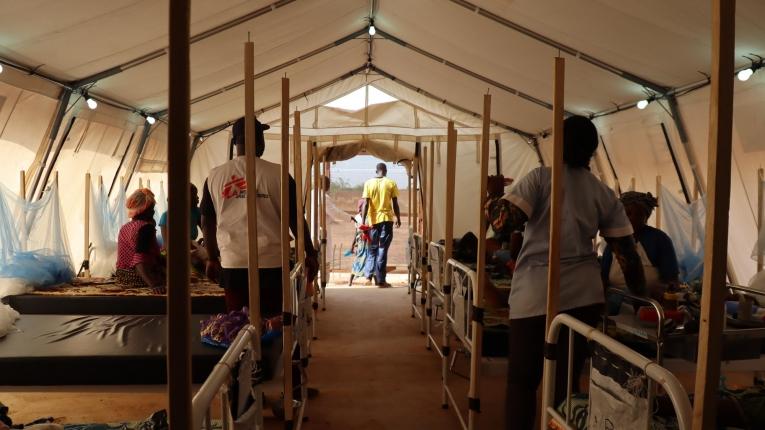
{"x": 466, "y": 71}
{"x": 525, "y": 134}
{"x": 662, "y": 89}
{"x": 344, "y": 76}
{"x": 196, "y": 38}
{"x": 275, "y": 69}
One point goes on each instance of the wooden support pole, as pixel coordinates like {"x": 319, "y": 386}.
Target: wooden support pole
{"x": 556, "y": 197}
{"x": 148, "y": 183}
{"x": 178, "y": 257}
{"x": 285, "y": 236}
{"x": 22, "y": 184}
{"x": 477, "y": 327}
{"x": 431, "y": 171}
{"x": 424, "y": 235}
{"x": 718, "y": 204}
{"x": 324, "y": 233}
{"x": 632, "y": 184}
{"x": 298, "y": 162}
{"x": 140, "y": 182}
{"x": 658, "y": 195}
{"x": 308, "y": 184}
{"x": 251, "y": 175}
{"x": 556, "y": 209}
{"x": 760, "y": 202}
{"x": 86, "y": 230}
{"x": 451, "y": 163}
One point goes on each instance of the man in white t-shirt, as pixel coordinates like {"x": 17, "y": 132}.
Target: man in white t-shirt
{"x": 224, "y": 225}
{"x": 589, "y": 206}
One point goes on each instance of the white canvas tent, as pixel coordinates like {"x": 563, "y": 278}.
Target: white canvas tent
{"x": 436, "y": 57}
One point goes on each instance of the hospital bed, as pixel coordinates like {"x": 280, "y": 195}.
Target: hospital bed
{"x": 417, "y": 265}
{"x": 434, "y": 294}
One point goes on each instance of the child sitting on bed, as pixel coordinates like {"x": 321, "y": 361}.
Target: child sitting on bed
{"x": 139, "y": 263}
{"x": 198, "y": 252}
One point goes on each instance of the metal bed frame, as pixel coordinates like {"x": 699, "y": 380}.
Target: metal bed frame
{"x": 244, "y": 343}
{"x": 654, "y": 372}
{"x": 436, "y": 269}
{"x": 458, "y": 285}
{"x": 417, "y": 267}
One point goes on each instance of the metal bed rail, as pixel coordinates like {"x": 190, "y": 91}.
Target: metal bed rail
{"x": 458, "y": 283}
{"x": 435, "y": 268}
{"x": 660, "y": 334}
{"x": 652, "y": 370}
{"x": 417, "y": 253}
{"x": 302, "y": 321}
{"x": 218, "y": 379}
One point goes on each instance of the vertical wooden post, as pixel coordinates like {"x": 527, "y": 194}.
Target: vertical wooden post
{"x": 22, "y": 184}
{"x": 148, "y": 183}
{"x": 285, "y": 236}
{"x": 324, "y": 264}
{"x": 431, "y": 171}
{"x": 298, "y": 160}
{"x": 556, "y": 209}
{"x": 632, "y": 184}
{"x": 717, "y": 203}
{"x": 556, "y": 198}
{"x": 477, "y": 324}
{"x": 427, "y": 316}
{"x": 451, "y": 162}
{"x": 423, "y": 199}
{"x": 760, "y": 202}
{"x": 178, "y": 258}
{"x": 86, "y": 230}
{"x": 140, "y": 182}
{"x": 315, "y": 232}
{"x": 658, "y": 194}
{"x": 251, "y": 169}
{"x": 308, "y": 181}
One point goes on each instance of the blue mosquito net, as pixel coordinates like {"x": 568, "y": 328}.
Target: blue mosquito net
{"x": 34, "y": 250}
{"x": 684, "y": 223}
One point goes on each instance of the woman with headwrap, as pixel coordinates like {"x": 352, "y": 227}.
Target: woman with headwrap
{"x": 653, "y": 245}
{"x": 360, "y": 245}
{"x": 139, "y": 263}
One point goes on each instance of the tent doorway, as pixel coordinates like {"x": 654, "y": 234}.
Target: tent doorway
{"x": 347, "y": 182}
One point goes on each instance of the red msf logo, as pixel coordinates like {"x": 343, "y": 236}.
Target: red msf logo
{"x": 235, "y": 188}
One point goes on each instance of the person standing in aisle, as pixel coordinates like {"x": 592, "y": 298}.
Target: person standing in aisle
{"x": 380, "y": 205}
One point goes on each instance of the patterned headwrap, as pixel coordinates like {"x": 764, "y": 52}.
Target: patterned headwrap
{"x": 138, "y": 202}
{"x": 646, "y": 200}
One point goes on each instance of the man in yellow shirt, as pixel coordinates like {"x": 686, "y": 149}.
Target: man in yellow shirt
{"x": 380, "y": 204}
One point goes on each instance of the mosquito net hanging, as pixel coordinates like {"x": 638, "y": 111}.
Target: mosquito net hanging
{"x": 684, "y": 223}
{"x": 34, "y": 250}
{"x": 106, "y": 220}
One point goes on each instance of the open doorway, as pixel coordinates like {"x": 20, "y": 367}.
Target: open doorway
{"x": 347, "y": 184}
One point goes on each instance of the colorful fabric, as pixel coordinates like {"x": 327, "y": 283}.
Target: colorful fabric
{"x": 138, "y": 202}
{"x": 129, "y": 279}
{"x": 497, "y": 212}
{"x": 362, "y": 241}
{"x": 380, "y": 192}
{"x": 137, "y": 243}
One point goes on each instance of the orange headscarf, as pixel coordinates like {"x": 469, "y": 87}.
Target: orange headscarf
{"x": 138, "y": 202}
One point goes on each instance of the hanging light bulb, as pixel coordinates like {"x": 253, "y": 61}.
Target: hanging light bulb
{"x": 92, "y": 103}
{"x": 745, "y": 74}
{"x": 150, "y": 119}
{"x": 372, "y": 29}
{"x": 642, "y": 104}
{"x": 1, "y": 68}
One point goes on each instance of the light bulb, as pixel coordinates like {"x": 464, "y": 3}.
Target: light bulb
{"x": 372, "y": 30}
{"x": 151, "y": 120}
{"x": 91, "y": 103}
{"x": 745, "y": 74}
{"x": 1, "y": 68}
{"x": 642, "y": 104}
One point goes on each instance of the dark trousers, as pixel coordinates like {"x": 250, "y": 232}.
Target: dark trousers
{"x": 236, "y": 290}
{"x": 527, "y": 339}
{"x": 381, "y": 236}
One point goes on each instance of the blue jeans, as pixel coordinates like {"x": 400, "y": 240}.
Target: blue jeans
{"x": 381, "y": 236}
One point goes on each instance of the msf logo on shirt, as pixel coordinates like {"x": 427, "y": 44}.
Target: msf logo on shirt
{"x": 236, "y": 188}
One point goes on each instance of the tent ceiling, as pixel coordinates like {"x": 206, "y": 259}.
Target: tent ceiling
{"x": 663, "y": 42}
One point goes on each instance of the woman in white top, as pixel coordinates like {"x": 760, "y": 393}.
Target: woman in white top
{"x": 589, "y": 207}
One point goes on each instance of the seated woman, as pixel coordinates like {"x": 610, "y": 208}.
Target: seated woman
{"x": 653, "y": 245}
{"x": 139, "y": 263}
